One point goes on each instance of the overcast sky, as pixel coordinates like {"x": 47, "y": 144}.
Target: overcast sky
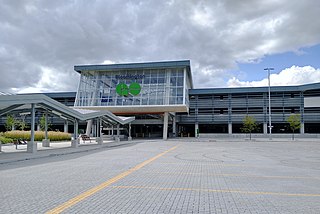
{"x": 41, "y": 41}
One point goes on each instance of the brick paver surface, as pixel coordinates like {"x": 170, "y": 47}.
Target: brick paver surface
{"x": 196, "y": 177}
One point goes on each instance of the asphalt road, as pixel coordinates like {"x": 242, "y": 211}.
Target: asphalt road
{"x": 168, "y": 177}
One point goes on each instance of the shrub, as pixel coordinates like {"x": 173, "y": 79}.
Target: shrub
{"x": 5, "y": 140}
{"x": 38, "y": 135}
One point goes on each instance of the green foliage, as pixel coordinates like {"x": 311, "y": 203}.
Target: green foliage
{"x": 249, "y": 125}
{"x": 294, "y": 123}
{"x": 43, "y": 123}
{"x": 10, "y": 122}
{"x": 5, "y": 140}
{"x": 39, "y": 135}
{"x": 22, "y": 125}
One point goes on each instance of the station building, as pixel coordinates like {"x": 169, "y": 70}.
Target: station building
{"x": 154, "y": 93}
{"x": 161, "y": 97}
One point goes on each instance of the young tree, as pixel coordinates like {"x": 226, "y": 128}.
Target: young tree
{"x": 10, "y": 123}
{"x": 249, "y": 125}
{"x": 294, "y": 123}
{"x": 43, "y": 123}
{"x": 22, "y": 124}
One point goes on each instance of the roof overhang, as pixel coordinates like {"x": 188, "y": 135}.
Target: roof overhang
{"x": 143, "y": 109}
{"x": 22, "y": 101}
{"x": 135, "y": 66}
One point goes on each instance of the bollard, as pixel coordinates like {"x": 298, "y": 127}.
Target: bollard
{"x": 99, "y": 140}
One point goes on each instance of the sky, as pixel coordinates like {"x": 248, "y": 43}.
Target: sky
{"x": 229, "y": 42}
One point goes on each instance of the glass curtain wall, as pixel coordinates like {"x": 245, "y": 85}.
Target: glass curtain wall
{"x": 132, "y": 87}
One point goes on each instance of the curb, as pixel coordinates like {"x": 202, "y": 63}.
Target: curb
{"x": 55, "y": 152}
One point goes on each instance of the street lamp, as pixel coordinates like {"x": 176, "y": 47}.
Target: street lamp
{"x": 270, "y": 127}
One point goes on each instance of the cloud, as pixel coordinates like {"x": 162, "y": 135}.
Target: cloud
{"x": 214, "y": 35}
{"x": 294, "y": 75}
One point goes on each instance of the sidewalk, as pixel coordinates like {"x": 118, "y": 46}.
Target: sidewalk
{"x": 9, "y": 153}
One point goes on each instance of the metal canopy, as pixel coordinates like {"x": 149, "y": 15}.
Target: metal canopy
{"x": 11, "y": 102}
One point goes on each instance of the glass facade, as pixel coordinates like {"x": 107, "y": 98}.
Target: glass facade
{"x": 133, "y": 87}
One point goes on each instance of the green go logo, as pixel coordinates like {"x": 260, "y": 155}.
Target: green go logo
{"x": 133, "y": 89}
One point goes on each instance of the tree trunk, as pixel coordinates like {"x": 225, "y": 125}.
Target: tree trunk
{"x": 292, "y": 134}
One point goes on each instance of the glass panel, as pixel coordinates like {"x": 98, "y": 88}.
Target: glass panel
{"x": 101, "y": 90}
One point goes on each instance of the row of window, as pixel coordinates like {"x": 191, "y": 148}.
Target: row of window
{"x": 109, "y": 101}
{"x": 244, "y": 96}
{"x": 244, "y": 110}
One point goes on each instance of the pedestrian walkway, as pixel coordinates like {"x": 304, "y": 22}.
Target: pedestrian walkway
{"x": 9, "y": 153}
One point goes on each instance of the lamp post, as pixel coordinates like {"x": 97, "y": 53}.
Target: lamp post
{"x": 270, "y": 127}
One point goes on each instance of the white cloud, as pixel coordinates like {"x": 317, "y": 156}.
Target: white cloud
{"x": 215, "y": 35}
{"x": 294, "y": 75}
{"x": 50, "y": 81}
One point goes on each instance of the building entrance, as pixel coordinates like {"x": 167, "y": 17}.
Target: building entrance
{"x": 147, "y": 131}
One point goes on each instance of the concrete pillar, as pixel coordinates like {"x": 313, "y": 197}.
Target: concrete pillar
{"x": 118, "y": 132}
{"x": 65, "y": 126}
{"x": 230, "y": 128}
{"x": 165, "y": 125}
{"x": 46, "y": 126}
{"x": 75, "y": 129}
{"x": 100, "y": 127}
{"x": 129, "y": 137}
{"x": 265, "y": 128}
{"x": 38, "y": 127}
{"x": 75, "y": 142}
{"x": 32, "y": 146}
{"x": 46, "y": 141}
{"x": 99, "y": 140}
{"x": 89, "y": 127}
{"x": 302, "y": 128}
{"x": 196, "y": 130}
{"x": 174, "y": 126}
{"x": 93, "y": 128}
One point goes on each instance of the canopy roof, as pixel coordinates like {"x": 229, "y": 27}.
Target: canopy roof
{"x": 23, "y": 101}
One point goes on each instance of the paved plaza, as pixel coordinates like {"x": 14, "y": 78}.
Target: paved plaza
{"x": 173, "y": 176}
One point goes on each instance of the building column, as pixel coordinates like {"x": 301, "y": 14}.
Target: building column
{"x": 112, "y": 131}
{"x": 32, "y": 146}
{"x": 99, "y": 138}
{"x": 196, "y": 130}
{"x": 118, "y": 132}
{"x": 174, "y": 126}
{"x": 165, "y": 125}
{"x": 94, "y": 128}
{"x": 129, "y": 133}
{"x": 89, "y": 127}
{"x": 65, "y": 126}
{"x": 265, "y": 128}
{"x": 75, "y": 141}
{"x": 46, "y": 141}
{"x": 302, "y": 128}
{"x": 229, "y": 128}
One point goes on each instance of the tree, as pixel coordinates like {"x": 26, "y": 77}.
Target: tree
{"x": 22, "y": 124}
{"x": 10, "y": 123}
{"x": 294, "y": 123}
{"x": 43, "y": 123}
{"x": 249, "y": 125}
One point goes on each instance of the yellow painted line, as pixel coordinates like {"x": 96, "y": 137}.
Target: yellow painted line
{"x": 220, "y": 191}
{"x": 94, "y": 190}
{"x": 238, "y": 175}
{"x": 216, "y": 164}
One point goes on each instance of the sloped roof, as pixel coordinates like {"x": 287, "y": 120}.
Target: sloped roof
{"x": 11, "y": 102}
